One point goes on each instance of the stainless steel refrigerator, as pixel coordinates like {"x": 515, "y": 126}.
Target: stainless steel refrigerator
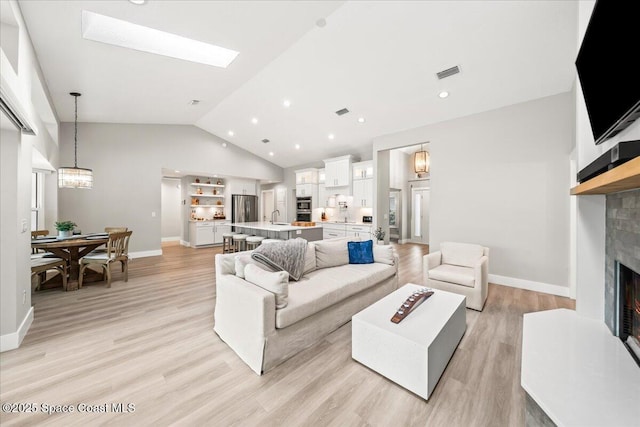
{"x": 244, "y": 208}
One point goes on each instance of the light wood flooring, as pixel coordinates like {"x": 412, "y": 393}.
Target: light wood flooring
{"x": 150, "y": 342}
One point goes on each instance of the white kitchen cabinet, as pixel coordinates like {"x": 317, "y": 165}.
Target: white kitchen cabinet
{"x": 330, "y": 231}
{"x": 362, "y": 170}
{"x": 363, "y": 193}
{"x": 338, "y": 172}
{"x": 206, "y": 233}
{"x": 323, "y": 196}
{"x": 245, "y": 187}
{"x": 362, "y": 231}
{"x": 306, "y": 190}
{"x": 307, "y": 176}
{"x": 201, "y": 233}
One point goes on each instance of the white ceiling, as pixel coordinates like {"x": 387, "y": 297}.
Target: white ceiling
{"x": 376, "y": 58}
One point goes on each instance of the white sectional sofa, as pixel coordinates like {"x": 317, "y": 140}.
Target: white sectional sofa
{"x": 328, "y": 294}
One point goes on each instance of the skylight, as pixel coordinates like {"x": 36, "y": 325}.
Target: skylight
{"x": 121, "y": 33}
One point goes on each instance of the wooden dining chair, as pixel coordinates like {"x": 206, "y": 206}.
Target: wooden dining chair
{"x": 34, "y": 235}
{"x": 40, "y": 266}
{"x": 117, "y": 251}
{"x": 115, "y": 229}
{"x": 110, "y": 230}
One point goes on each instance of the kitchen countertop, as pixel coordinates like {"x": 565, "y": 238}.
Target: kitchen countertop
{"x": 209, "y": 220}
{"x": 278, "y": 226}
{"x": 345, "y": 223}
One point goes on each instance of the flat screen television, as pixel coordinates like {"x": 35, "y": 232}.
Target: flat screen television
{"x": 607, "y": 66}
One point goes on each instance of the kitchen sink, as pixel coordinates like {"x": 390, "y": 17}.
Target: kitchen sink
{"x": 281, "y": 223}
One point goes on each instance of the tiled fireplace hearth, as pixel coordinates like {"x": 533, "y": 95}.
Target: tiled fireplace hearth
{"x": 622, "y": 245}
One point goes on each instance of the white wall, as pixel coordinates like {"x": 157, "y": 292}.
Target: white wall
{"x": 15, "y": 305}
{"x": 127, "y": 160}
{"x": 171, "y": 215}
{"x": 501, "y": 179}
{"x": 590, "y": 210}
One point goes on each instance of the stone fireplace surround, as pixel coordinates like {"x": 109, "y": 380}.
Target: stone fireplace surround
{"x": 622, "y": 245}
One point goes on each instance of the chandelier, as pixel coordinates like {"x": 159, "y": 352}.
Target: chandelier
{"x": 75, "y": 177}
{"x": 421, "y": 161}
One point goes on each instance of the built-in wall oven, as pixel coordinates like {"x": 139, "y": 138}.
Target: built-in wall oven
{"x": 303, "y": 209}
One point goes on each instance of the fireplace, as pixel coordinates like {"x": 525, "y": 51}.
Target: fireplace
{"x": 629, "y": 309}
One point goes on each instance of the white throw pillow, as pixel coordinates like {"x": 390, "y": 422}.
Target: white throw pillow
{"x": 332, "y": 252}
{"x": 383, "y": 254}
{"x": 276, "y": 282}
{"x": 310, "y": 258}
{"x": 244, "y": 259}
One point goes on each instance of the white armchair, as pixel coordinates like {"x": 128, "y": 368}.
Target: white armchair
{"x": 461, "y": 268}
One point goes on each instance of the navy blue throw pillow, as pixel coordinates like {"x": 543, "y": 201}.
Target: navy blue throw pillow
{"x": 360, "y": 252}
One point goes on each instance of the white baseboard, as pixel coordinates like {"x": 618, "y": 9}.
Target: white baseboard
{"x": 13, "y": 340}
{"x": 144, "y": 254}
{"x": 184, "y": 243}
{"x": 529, "y": 285}
{"x": 170, "y": 239}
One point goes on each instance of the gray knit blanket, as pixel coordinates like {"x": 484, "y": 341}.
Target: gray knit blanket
{"x": 283, "y": 256}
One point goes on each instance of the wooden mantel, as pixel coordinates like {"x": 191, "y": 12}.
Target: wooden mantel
{"x": 621, "y": 178}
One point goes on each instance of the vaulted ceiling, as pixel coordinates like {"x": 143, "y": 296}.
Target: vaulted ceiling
{"x": 379, "y": 59}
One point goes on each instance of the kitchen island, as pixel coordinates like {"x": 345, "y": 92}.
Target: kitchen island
{"x": 279, "y": 230}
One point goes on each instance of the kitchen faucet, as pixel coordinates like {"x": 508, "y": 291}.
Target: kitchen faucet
{"x": 276, "y": 211}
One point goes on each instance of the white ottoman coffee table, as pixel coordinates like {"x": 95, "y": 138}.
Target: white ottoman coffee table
{"x": 414, "y": 352}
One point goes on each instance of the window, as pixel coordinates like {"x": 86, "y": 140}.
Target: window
{"x": 36, "y": 201}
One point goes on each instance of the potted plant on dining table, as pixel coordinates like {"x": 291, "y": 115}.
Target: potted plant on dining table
{"x": 65, "y": 228}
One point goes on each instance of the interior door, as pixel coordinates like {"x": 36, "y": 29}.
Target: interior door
{"x": 420, "y": 215}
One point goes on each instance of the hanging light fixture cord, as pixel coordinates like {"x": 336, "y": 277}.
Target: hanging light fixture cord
{"x": 75, "y": 135}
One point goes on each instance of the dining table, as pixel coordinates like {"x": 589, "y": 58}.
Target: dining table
{"x": 72, "y": 249}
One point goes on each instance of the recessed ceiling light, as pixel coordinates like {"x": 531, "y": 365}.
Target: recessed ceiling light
{"x": 138, "y": 2}
{"x": 224, "y": 144}
{"x": 271, "y": 153}
{"x": 286, "y": 103}
{"x": 230, "y": 133}
{"x": 361, "y": 120}
{"x": 254, "y": 121}
{"x": 321, "y": 22}
{"x": 121, "y": 33}
{"x": 443, "y": 94}
{"x": 297, "y": 146}
{"x": 331, "y": 136}
{"x": 176, "y": 171}
{"x": 194, "y": 102}
{"x": 265, "y": 141}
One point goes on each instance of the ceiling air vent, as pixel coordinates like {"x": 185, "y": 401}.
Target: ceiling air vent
{"x": 342, "y": 112}
{"x": 265, "y": 140}
{"x": 448, "y": 72}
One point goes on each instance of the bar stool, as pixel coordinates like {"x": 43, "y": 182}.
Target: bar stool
{"x": 239, "y": 242}
{"x": 227, "y": 243}
{"x": 254, "y": 241}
